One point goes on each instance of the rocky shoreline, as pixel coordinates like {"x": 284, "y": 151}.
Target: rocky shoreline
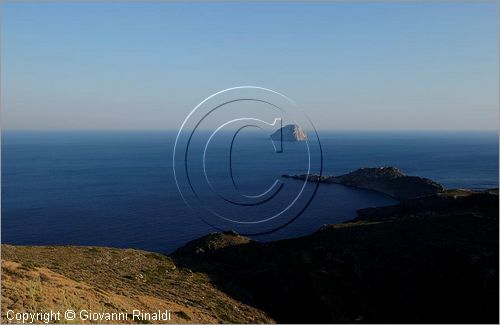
{"x": 387, "y": 180}
{"x": 432, "y": 258}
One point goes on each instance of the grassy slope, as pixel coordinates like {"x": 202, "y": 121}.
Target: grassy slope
{"x": 431, "y": 260}
{"x": 107, "y": 279}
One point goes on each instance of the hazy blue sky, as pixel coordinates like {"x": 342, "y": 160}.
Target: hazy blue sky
{"x": 349, "y": 66}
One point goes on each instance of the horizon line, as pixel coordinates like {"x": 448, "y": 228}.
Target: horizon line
{"x": 176, "y": 130}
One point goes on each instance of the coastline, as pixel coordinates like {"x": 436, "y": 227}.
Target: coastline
{"x": 420, "y": 249}
{"x": 386, "y": 180}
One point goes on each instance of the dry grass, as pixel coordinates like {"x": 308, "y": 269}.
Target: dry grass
{"x": 113, "y": 280}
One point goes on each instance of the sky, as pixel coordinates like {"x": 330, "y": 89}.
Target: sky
{"x": 349, "y": 66}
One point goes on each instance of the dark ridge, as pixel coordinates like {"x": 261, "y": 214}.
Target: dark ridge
{"x": 429, "y": 260}
{"x": 388, "y": 180}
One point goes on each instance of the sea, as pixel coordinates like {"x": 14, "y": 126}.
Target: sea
{"x": 119, "y": 189}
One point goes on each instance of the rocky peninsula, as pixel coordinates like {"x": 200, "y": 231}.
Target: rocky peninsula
{"x": 388, "y": 180}
{"x": 432, "y": 258}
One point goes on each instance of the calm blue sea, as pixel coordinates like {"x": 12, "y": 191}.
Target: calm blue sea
{"x": 117, "y": 188}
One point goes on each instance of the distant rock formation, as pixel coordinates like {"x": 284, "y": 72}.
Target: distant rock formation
{"x": 290, "y": 132}
{"x": 431, "y": 259}
{"x": 387, "y": 180}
